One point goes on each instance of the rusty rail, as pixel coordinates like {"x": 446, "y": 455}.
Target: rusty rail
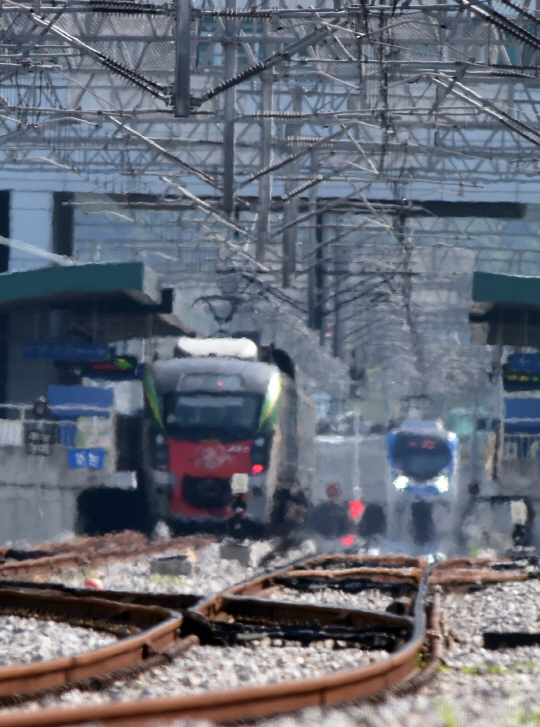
{"x": 83, "y": 552}
{"x": 262, "y": 701}
{"x": 146, "y": 630}
{"x": 396, "y": 674}
{"x": 174, "y": 601}
{"x": 450, "y": 574}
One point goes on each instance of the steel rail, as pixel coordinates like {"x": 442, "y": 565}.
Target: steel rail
{"x": 256, "y": 702}
{"x": 174, "y": 601}
{"x": 390, "y": 560}
{"x": 450, "y": 574}
{"x": 405, "y": 574}
{"x": 91, "y": 551}
{"x": 245, "y": 603}
{"x": 149, "y": 628}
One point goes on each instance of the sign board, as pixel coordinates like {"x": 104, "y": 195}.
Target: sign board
{"x": 40, "y": 442}
{"x": 93, "y": 433}
{"x": 520, "y": 381}
{"x": 521, "y": 372}
{"x": 521, "y": 415}
{"x": 67, "y": 351}
{"x": 525, "y": 362}
{"x": 75, "y": 401}
{"x": 115, "y": 368}
{"x": 89, "y": 458}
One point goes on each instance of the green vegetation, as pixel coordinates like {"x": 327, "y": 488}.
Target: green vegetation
{"x": 528, "y": 718}
{"x": 70, "y": 575}
{"x": 447, "y": 714}
{"x": 479, "y": 671}
{"x": 173, "y": 580}
{"x": 470, "y": 670}
{"x": 495, "y": 669}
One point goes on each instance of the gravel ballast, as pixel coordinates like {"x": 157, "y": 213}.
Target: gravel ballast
{"x": 370, "y": 600}
{"x": 206, "y": 668}
{"x": 211, "y": 574}
{"x": 474, "y": 687}
{"x": 28, "y": 640}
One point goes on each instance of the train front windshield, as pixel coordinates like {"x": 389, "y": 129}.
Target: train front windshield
{"x": 229, "y": 416}
{"x": 421, "y": 457}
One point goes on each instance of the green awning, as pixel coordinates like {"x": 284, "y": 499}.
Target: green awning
{"x": 103, "y": 301}
{"x": 498, "y": 288}
{"x": 89, "y": 280}
{"x": 505, "y": 310}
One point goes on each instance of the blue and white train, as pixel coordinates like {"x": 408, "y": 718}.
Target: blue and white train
{"x": 423, "y": 459}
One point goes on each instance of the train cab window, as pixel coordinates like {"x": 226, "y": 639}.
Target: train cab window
{"x": 421, "y": 457}
{"x": 211, "y": 382}
{"x": 236, "y": 415}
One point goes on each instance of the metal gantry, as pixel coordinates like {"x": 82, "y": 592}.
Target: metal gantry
{"x": 301, "y": 141}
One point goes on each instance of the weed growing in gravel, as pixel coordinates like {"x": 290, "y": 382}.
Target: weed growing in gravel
{"x": 447, "y": 714}
{"x": 477, "y": 671}
{"x": 91, "y": 573}
{"x": 442, "y": 668}
{"x": 528, "y": 718}
{"x": 70, "y": 575}
{"x": 473, "y": 670}
{"x": 521, "y": 666}
{"x": 173, "y": 580}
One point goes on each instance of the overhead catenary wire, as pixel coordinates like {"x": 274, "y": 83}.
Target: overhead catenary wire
{"x": 156, "y": 155}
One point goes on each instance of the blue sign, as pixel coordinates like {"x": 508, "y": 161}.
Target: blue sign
{"x": 91, "y": 458}
{"x": 525, "y": 362}
{"x": 67, "y": 351}
{"x": 67, "y": 402}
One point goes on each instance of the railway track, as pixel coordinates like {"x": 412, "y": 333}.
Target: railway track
{"x": 280, "y": 608}
{"x": 52, "y": 558}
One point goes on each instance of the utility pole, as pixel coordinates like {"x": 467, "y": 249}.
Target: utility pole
{"x": 319, "y": 275}
{"x": 290, "y": 213}
{"x": 339, "y": 268}
{"x": 265, "y": 182}
{"x": 311, "y": 244}
{"x": 229, "y": 48}
{"x": 182, "y": 80}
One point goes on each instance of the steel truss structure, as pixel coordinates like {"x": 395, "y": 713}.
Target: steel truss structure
{"x": 300, "y": 142}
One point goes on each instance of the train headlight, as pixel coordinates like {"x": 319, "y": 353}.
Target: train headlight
{"x": 442, "y": 483}
{"x": 401, "y": 482}
{"x": 160, "y": 453}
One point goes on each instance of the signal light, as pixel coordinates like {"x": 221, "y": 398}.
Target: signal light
{"x": 356, "y": 508}
{"x": 257, "y": 469}
{"x": 333, "y": 491}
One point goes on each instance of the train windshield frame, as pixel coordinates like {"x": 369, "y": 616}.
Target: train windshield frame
{"x": 231, "y": 416}
{"x": 421, "y": 457}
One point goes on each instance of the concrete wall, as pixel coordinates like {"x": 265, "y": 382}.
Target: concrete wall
{"x": 20, "y": 469}
{"x": 38, "y": 495}
{"x": 32, "y": 514}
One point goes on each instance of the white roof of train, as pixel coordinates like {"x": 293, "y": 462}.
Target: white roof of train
{"x": 422, "y": 426}
{"x": 241, "y": 348}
